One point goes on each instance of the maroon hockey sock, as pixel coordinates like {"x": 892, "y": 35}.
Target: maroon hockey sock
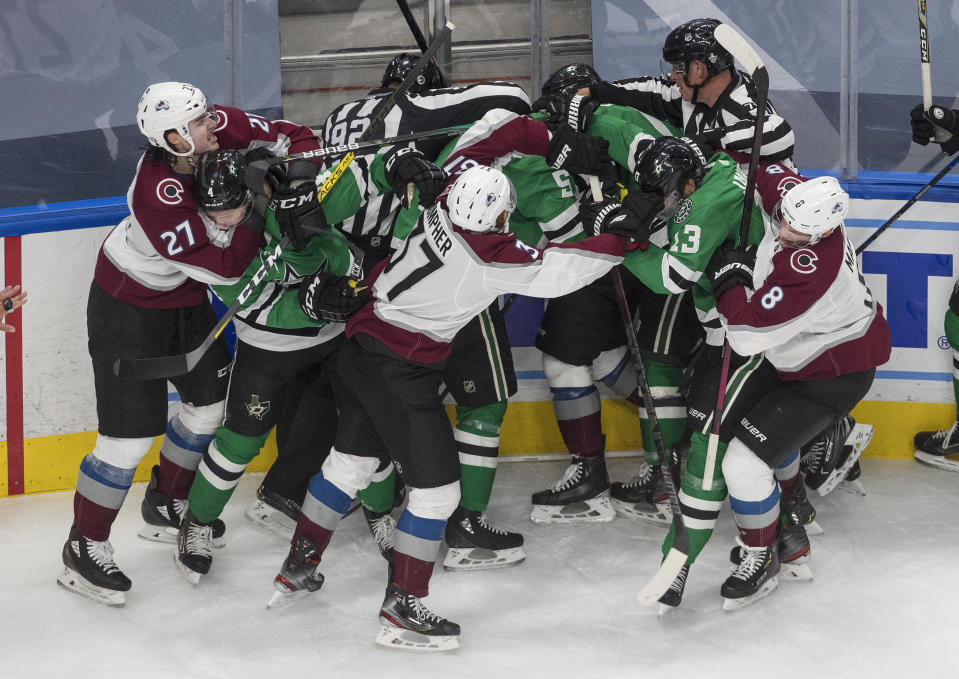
{"x": 93, "y": 521}
{"x": 174, "y": 481}
{"x": 412, "y": 574}
{"x": 787, "y": 487}
{"x": 583, "y": 436}
{"x": 316, "y": 533}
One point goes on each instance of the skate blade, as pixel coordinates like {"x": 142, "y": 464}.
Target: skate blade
{"x": 70, "y": 580}
{"x": 653, "y": 513}
{"x": 796, "y": 572}
{"x": 813, "y": 528}
{"x": 282, "y": 599}
{"x": 764, "y": 590}
{"x": 664, "y": 609}
{"x": 167, "y": 536}
{"x": 192, "y": 576}
{"x": 594, "y": 510}
{"x": 265, "y": 517}
{"x": 853, "y": 488}
{"x": 478, "y": 559}
{"x": 408, "y": 640}
{"x": 949, "y": 463}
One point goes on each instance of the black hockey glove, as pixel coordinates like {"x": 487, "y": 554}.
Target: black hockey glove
{"x": 407, "y": 165}
{"x": 730, "y": 267}
{"x": 574, "y": 111}
{"x": 643, "y": 206}
{"x": 327, "y": 297}
{"x": 948, "y": 120}
{"x": 609, "y": 216}
{"x": 580, "y": 153}
{"x": 263, "y": 167}
{"x": 708, "y": 142}
{"x": 296, "y": 207}
{"x": 922, "y": 129}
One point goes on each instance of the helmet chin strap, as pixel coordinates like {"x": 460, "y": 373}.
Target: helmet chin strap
{"x": 695, "y": 88}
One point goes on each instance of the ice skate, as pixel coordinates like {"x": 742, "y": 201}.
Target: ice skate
{"x": 643, "y": 497}
{"x": 298, "y": 576}
{"x": 802, "y": 511}
{"x": 851, "y": 483}
{"x": 819, "y": 457}
{"x": 674, "y": 595}
{"x": 792, "y": 544}
{"x": 475, "y": 544}
{"x": 754, "y": 577}
{"x": 939, "y": 449}
{"x": 411, "y": 626}
{"x": 856, "y": 441}
{"x": 273, "y": 512}
{"x": 194, "y": 548}
{"x": 383, "y": 528}
{"x": 162, "y": 515}
{"x": 89, "y": 570}
{"x": 580, "y": 496}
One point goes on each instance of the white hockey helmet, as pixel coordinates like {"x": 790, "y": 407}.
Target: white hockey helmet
{"x": 815, "y": 207}
{"x": 478, "y": 197}
{"x": 170, "y": 106}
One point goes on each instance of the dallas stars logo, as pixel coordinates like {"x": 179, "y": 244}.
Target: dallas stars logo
{"x": 257, "y": 409}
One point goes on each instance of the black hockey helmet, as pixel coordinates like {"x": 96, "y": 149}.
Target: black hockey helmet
{"x": 219, "y": 179}
{"x": 665, "y": 166}
{"x": 571, "y": 78}
{"x": 696, "y": 41}
{"x": 431, "y": 78}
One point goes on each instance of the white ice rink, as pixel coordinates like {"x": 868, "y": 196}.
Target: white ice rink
{"x": 884, "y": 602}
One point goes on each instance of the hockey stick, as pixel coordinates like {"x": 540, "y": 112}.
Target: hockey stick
{"x": 676, "y": 558}
{"x": 912, "y": 201}
{"x": 414, "y": 27}
{"x": 925, "y": 65}
{"x": 737, "y": 46}
{"x": 180, "y": 364}
{"x": 359, "y": 147}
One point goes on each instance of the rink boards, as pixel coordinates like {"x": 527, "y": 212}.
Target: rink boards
{"x": 909, "y": 268}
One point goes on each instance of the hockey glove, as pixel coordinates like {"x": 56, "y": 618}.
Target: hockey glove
{"x": 609, "y": 216}
{"x": 729, "y": 268}
{"x": 580, "y": 153}
{"x": 947, "y": 119}
{"x": 327, "y": 297}
{"x": 708, "y": 142}
{"x": 296, "y": 207}
{"x": 407, "y": 165}
{"x": 574, "y": 111}
{"x": 263, "y": 168}
{"x": 644, "y": 207}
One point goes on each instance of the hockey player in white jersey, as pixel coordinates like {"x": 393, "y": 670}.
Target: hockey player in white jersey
{"x": 806, "y": 306}
{"x": 454, "y": 264}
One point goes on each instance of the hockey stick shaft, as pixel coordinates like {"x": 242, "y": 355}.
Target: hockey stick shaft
{"x": 674, "y": 562}
{"x": 362, "y": 147}
{"x": 925, "y": 66}
{"x": 169, "y": 366}
{"x": 736, "y": 45}
{"x": 909, "y": 203}
{"x": 414, "y": 27}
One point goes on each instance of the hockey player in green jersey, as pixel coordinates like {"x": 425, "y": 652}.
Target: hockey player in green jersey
{"x": 276, "y": 338}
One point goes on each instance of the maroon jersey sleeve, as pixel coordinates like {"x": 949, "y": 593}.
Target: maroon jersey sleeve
{"x": 237, "y": 129}
{"x": 773, "y": 180}
{"x": 497, "y": 135}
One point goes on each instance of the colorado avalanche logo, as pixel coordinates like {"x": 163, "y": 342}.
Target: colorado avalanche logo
{"x": 785, "y": 184}
{"x": 490, "y": 199}
{"x": 803, "y": 261}
{"x": 162, "y": 105}
{"x": 170, "y": 191}
{"x": 682, "y": 213}
{"x": 221, "y": 120}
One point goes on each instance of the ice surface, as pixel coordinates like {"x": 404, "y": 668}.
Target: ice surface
{"x": 883, "y": 603}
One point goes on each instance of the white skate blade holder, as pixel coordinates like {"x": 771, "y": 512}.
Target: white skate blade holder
{"x": 70, "y": 580}
{"x": 264, "y": 516}
{"x": 391, "y": 636}
{"x": 761, "y": 593}
{"x": 477, "y": 558}
{"x": 795, "y": 572}
{"x": 949, "y": 463}
{"x": 594, "y": 510}
{"x": 282, "y": 599}
{"x": 167, "y": 535}
{"x": 191, "y": 575}
{"x": 858, "y": 439}
{"x": 643, "y": 511}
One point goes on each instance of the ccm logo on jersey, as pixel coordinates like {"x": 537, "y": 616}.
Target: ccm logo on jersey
{"x": 170, "y": 191}
{"x": 803, "y": 261}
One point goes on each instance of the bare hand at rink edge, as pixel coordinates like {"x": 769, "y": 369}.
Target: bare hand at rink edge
{"x": 10, "y": 299}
